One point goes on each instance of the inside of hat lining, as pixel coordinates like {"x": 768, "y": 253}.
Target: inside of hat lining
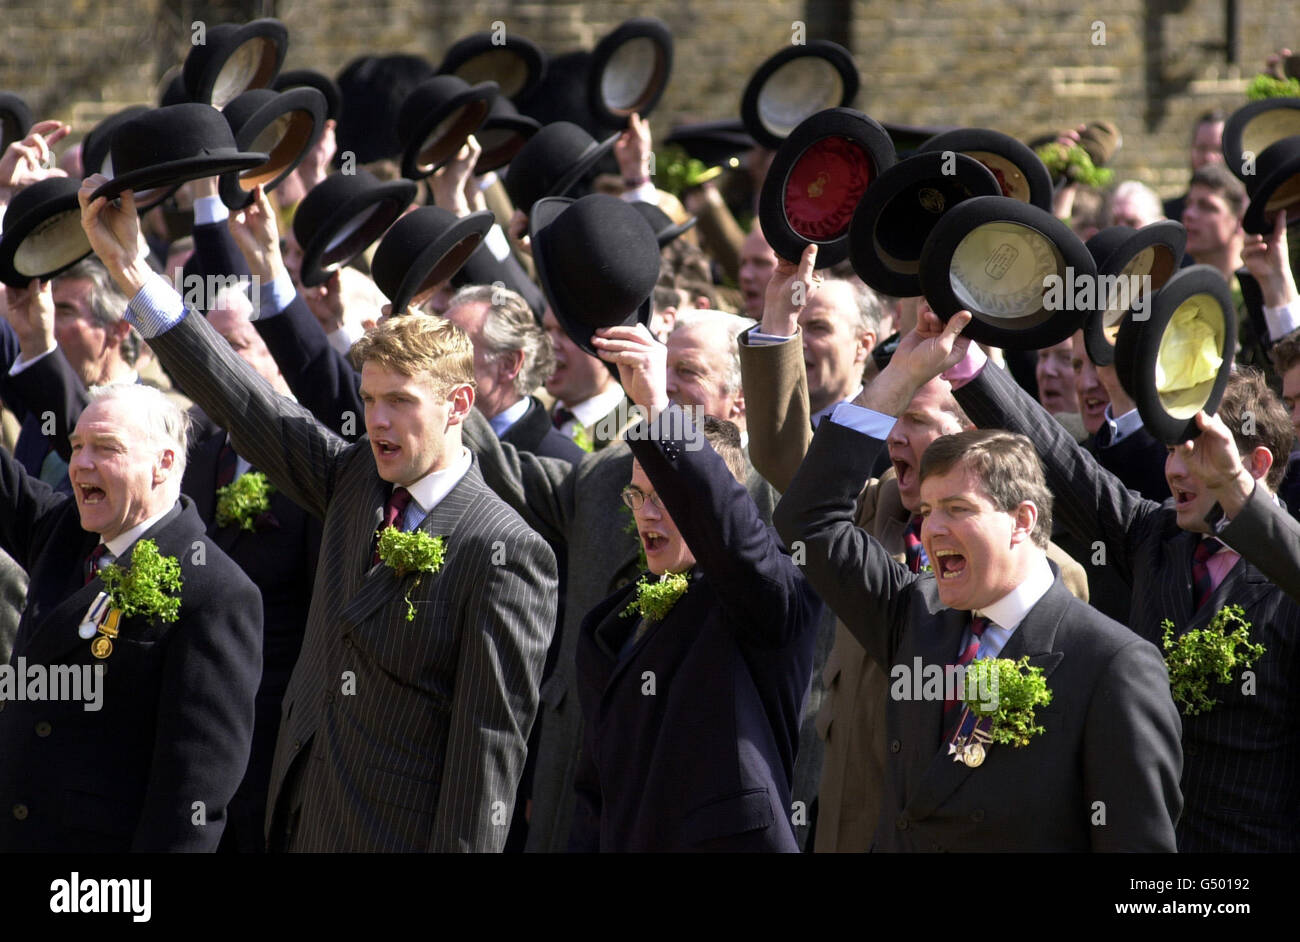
{"x": 52, "y": 244}
{"x": 1155, "y": 265}
{"x": 499, "y": 145}
{"x": 508, "y": 69}
{"x": 250, "y": 66}
{"x": 355, "y": 235}
{"x": 447, "y": 266}
{"x": 998, "y": 270}
{"x": 1010, "y": 177}
{"x": 907, "y": 220}
{"x": 283, "y": 139}
{"x": 823, "y": 188}
{"x": 798, "y": 89}
{"x": 1285, "y": 196}
{"x": 632, "y": 75}
{"x": 449, "y": 134}
{"x": 1268, "y": 127}
{"x": 1184, "y": 403}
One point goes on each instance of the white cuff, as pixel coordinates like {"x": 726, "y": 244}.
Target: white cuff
{"x": 497, "y": 243}
{"x": 867, "y": 421}
{"x": 645, "y": 193}
{"x": 1282, "y": 320}
{"x": 210, "y": 209}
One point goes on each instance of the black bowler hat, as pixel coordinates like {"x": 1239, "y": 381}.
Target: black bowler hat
{"x": 1255, "y": 127}
{"x": 552, "y": 163}
{"x": 310, "y": 78}
{"x": 1020, "y": 174}
{"x": 435, "y": 120}
{"x": 95, "y": 145}
{"x": 1274, "y": 185}
{"x": 233, "y": 59}
{"x": 665, "y": 229}
{"x": 515, "y": 63}
{"x": 15, "y": 119}
{"x": 422, "y": 250}
{"x": 42, "y": 232}
{"x": 910, "y": 138}
{"x": 1182, "y": 355}
{"x": 1152, "y": 253}
{"x": 285, "y": 125}
{"x": 174, "y": 93}
{"x": 713, "y": 143}
{"x": 502, "y": 135}
{"x": 166, "y": 147}
{"x": 795, "y": 84}
{"x": 598, "y": 261}
{"x": 342, "y": 216}
{"x": 993, "y": 256}
{"x": 630, "y": 68}
{"x": 899, "y": 210}
{"x": 817, "y": 180}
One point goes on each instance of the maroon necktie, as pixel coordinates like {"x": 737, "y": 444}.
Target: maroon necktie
{"x": 393, "y": 513}
{"x": 977, "y": 626}
{"x": 92, "y": 561}
{"x": 561, "y": 415}
{"x": 912, "y": 544}
{"x": 227, "y": 461}
{"x": 1202, "y": 582}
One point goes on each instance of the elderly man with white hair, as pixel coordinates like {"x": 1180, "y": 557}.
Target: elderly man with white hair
{"x": 146, "y": 754}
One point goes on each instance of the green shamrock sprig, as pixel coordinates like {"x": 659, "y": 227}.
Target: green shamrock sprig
{"x": 143, "y": 588}
{"x": 1074, "y": 164}
{"x": 416, "y": 551}
{"x": 1206, "y": 654}
{"x": 244, "y": 500}
{"x": 1267, "y": 86}
{"x": 655, "y": 599}
{"x": 675, "y": 172}
{"x": 582, "y": 438}
{"x": 1019, "y": 689}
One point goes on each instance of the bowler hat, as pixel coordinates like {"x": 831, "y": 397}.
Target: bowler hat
{"x": 1274, "y": 185}
{"x": 174, "y": 92}
{"x": 285, "y": 125}
{"x": 1182, "y": 355}
{"x": 1019, "y": 172}
{"x": 435, "y": 120}
{"x": 503, "y": 133}
{"x": 342, "y": 216}
{"x": 234, "y": 58}
{"x": 1253, "y": 128}
{"x": 795, "y": 84}
{"x": 630, "y": 68}
{"x": 1152, "y": 253}
{"x": 15, "y": 119}
{"x": 816, "y": 181}
{"x": 95, "y": 145}
{"x": 552, "y": 162}
{"x": 994, "y": 256}
{"x": 665, "y": 229}
{"x": 515, "y": 63}
{"x": 899, "y": 210}
{"x": 310, "y": 78}
{"x": 422, "y": 250}
{"x": 713, "y": 143}
{"x": 42, "y": 232}
{"x": 165, "y": 147}
{"x": 598, "y": 261}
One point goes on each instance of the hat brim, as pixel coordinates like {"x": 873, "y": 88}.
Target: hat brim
{"x": 213, "y": 86}
{"x": 441, "y": 259}
{"x": 15, "y": 119}
{"x": 1283, "y": 180}
{"x": 1255, "y": 127}
{"x": 817, "y": 180}
{"x": 566, "y": 309}
{"x": 1019, "y": 172}
{"x": 517, "y": 66}
{"x": 441, "y": 132}
{"x": 886, "y": 255}
{"x": 582, "y": 166}
{"x": 767, "y": 123}
{"x": 173, "y": 173}
{"x": 305, "y": 108}
{"x": 57, "y": 224}
{"x": 1200, "y": 293}
{"x": 1155, "y": 251}
{"x": 667, "y": 235}
{"x": 642, "y": 47}
{"x": 992, "y": 256}
{"x": 501, "y": 138}
{"x": 352, "y": 228}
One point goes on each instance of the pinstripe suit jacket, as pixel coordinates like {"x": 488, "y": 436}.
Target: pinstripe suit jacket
{"x": 1241, "y": 768}
{"x": 395, "y": 735}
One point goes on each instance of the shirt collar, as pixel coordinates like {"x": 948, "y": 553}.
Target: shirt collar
{"x": 507, "y": 417}
{"x": 816, "y": 417}
{"x": 122, "y": 542}
{"x": 589, "y": 411}
{"x": 436, "y": 485}
{"x": 1010, "y": 610}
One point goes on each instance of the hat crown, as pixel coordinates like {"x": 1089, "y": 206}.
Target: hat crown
{"x": 403, "y": 243}
{"x": 94, "y": 148}
{"x": 43, "y": 191}
{"x": 542, "y": 161}
{"x": 1274, "y": 158}
{"x": 430, "y": 94}
{"x": 1107, "y": 241}
{"x": 163, "y": 135}
{"x": 327, "y": 196}
{"x": 247, "y": 104}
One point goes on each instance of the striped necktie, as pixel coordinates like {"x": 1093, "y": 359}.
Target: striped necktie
{"x": 1202, "y": 582}
{"x": 977, "y": 626}
{"x": 914, "y": 552}
{"x": 92, "y": 562}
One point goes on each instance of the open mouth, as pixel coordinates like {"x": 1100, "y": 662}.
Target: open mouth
{"x": 653, "y": 541}
{"x": 1183, "y": 498}
{"x": 949, "y": 564}
{"x": 386, "y": 449}
{"x": 91, "y": 494}
{"x": 1094, "y": 406}
{"x": 903, "y": 470}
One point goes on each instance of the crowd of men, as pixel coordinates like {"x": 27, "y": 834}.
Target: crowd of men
{"x": 561, "y": 513}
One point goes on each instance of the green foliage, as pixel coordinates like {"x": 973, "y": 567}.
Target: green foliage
{"x": 1074, "y": 164}
{"x": 244, "y": 500}
{"x": 1266, "y": 86}
{"x": 142, "y": 589}
{"x": 1016, "y": 688}
{"x": 582, "y": 438}
{"x": 411, "y": 552}
{"x": 676, "y": 173}
{"x": 655, "y": 599}
{"x": 1206, "y": 654}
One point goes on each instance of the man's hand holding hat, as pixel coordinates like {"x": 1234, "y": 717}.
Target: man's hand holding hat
{"x": 642, "y": 364}
{"x": 929, "y": 350}
{"x": 114, "y": 234}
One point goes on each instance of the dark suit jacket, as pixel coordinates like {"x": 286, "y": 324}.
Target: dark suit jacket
{"x": 1241, "y": 778}
{"x": 1111, "y": 730}
{"x": 33, "y": 446}
{"x": 396, "y": 735}
{"x": 534, "y": 431}
{"x": 705, "y": 762}
{"x": 1269, "y": 537}
{"x": 176, "y": 719}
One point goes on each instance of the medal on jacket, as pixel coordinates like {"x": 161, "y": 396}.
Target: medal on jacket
{"x": 102, "y": 646}
{"x": 94, "y": 615}
{"x": 971, "y": 750}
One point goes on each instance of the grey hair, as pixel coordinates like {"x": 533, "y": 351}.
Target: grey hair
{"x": 166, "y": 423}
{"x": 1137, "y": 190}
{"x": 107, "y": 304}
{"x": 867, "y": 307}
{"x": 508, "y": 327}
{"x": 733, "y": 324}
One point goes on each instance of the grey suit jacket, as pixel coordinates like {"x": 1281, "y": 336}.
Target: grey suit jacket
{"x": 395, "y": 735}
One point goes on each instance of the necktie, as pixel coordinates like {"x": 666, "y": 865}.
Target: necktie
{"x": 914, "y": 551}
{"x": 561, "y": 415}
{"x": 1202, "y": 583}
{"x": 227, "y": 461}
{"x": 392, "y": 514}
{"x": 977, "y": 626}
{"x": 92, "y": 561}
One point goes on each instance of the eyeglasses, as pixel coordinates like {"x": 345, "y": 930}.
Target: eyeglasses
{"x": 634, "y": 497}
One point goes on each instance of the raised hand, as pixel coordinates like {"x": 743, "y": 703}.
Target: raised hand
{"x": 642, "y": 364}
{"x": 789, "y": 290}
{"x": 255, "y": 232}
{"x": 449, "y": 180}
{"x": 932, "y": 347}
{"x": 32, "y": 159}
{"x": 632, "y": 151}
{"x": 1212, "y": 458}
{"x": 1268, "y": 261}
{"x": 113, "y": 229}
{"x": 31, "y": 315}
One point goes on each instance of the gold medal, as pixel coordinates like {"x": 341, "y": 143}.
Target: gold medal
{"x": 101, "y": 647}
{"x": 973, "y": 755}
{"x": 109, "y": 627}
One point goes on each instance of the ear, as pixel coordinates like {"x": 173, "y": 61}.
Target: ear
{"x": 508, "y": 367}
{"x": 119, "y": 332}
{"x": 162, "y": 468}
{"x": 462, "y": 400}
{"x": 1026, "y": 518}
{"x": 738, "y": 406}
{"x": 1258, "y": 462}
{"x": 866, "y": 343}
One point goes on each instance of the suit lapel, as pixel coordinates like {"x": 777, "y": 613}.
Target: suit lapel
{"x": 1244, "y": 585}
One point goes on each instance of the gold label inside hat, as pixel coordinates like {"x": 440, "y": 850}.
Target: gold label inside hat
{"x": 999, "y": 270}
{"x": 818, "y": 186}
{"x": 931, "y": 200}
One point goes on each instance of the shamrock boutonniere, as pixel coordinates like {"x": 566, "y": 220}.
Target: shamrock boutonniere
{"x": 415, "y": 551}
{"x": 1002, "y": 695}
{"x": 582, "y": 438}
{"x": 247, "y": 502}
{"x": 150, "y": 586}
{"x": 1074, "y": 164}
{"x": 1206, "y": 654}
{"x": 655, "y": 599}
{"x": 1269, "y": 86}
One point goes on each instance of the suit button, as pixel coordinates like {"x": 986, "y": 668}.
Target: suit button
{"x": 347, "y": 642}
{"x": 43, "y": 729}
{"x": 977, "y": 815}
{"x": 902, "y": 822}
{"x": 895, "y": 745}
{"x": 20, "y": 812}
{"x": 297, "y": 744}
